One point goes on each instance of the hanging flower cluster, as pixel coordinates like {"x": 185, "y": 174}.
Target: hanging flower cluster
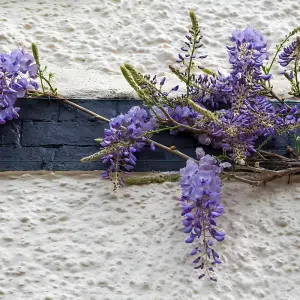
{"x": 17, "y": 74}
{"x": 289, "y": 58}
{"x": 200, "y": 201}
{"x": 127, "y": 135}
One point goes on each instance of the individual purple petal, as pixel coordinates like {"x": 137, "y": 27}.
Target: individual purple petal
{"x": 152, "y": 146}
{"x": 33, "y": 69}
{"x": 194, "y": 251}
{"x": 225, "y": 165}
{"x": 188, "y": 229}
{"x": 190, "y": 239}
{"x": 266, "y": 77}
{"x": 200, "y": 153}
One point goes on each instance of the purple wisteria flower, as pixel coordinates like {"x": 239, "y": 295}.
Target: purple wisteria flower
{"x": 126, "y": 136}
{"x": 249, "y": 39}
{"x": 200, "y": 201}
{"x": 246, "y": 57}
{"x": 291, "y": 55}
{"x": 287, "y": 55}
{"x": 247, "y": 114}
{"x": 181, "y": 114}
{"x": 17, "y": 71}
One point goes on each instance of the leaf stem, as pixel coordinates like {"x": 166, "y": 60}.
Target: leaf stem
{"x": 297, "y": 92}
{"x": 49, "y": 84}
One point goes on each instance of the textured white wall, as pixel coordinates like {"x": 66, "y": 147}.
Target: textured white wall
{"x": 71, "y": 237}
{"x": 85, "y": 42}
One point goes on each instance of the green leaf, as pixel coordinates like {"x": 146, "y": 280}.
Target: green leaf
{"x": 208, "y": 71}
{"x": 99, "y": 140}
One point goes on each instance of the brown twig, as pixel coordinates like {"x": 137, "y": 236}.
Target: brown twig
{"x": 267, "y": 176}
{"x": 285, "y": 164}
{"x": 278, "y": 174}
{"x": 250, "y": 168}
{"x": 242, "y": 179}
{"x": 291, "y": 150}
{"x": 282, "y": 100}
{"x": 261, "y": 156}
{"x": 272, "y": 154}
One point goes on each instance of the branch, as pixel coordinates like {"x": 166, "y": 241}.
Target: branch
{"x": 272, "y": 154}
{"x": 278, "y": 174}
{"x": 155, "y": 178}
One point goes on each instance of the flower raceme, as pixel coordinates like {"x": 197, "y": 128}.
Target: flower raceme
{"x": 17, "y": 72}
{"x": 289, "y": 58}
{"x": 287, "y": 55}
{"x": 246, "y": 56}
{"x": 126, "y": 136}
{"x": 200, "y": 201}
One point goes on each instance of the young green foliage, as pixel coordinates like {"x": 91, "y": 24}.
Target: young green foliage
{"x": 42, "y": 73}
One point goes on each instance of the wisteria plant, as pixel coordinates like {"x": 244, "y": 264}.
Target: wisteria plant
{"x": 230, "y": 112}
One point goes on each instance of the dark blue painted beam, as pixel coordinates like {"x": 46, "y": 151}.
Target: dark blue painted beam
{"x": 53, "y": 136}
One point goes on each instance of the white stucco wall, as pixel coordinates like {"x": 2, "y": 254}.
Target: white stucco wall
{"x": 85, "y": 41}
